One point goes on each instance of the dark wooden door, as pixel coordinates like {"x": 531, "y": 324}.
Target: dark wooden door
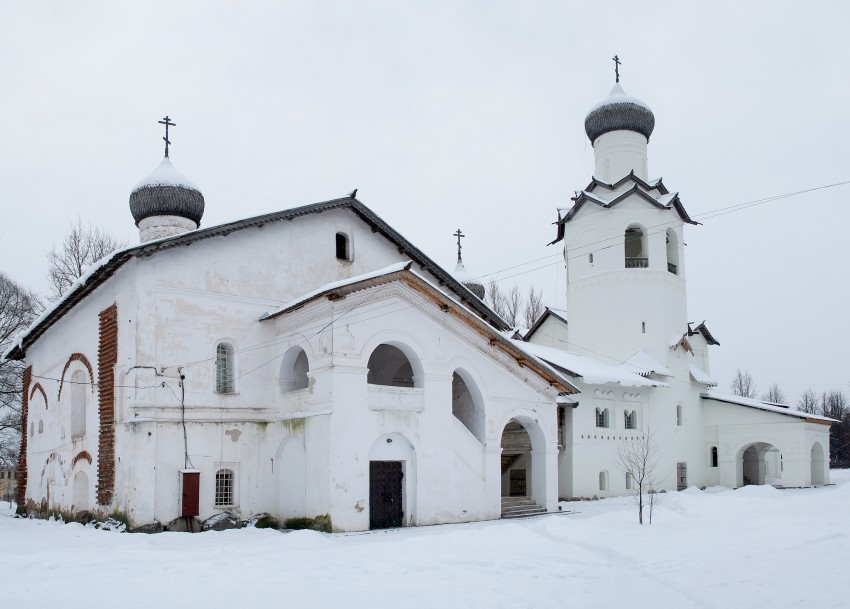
{"x": 385, "y": 504}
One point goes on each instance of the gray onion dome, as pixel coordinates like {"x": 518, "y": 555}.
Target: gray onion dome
{"x": 471, "y": 283}
{"x": 166, "y": 192}
{"x": 619, "y": 112}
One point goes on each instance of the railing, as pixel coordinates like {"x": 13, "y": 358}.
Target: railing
{"x": 673, "y": 268}
{"x": 637, "y": 263}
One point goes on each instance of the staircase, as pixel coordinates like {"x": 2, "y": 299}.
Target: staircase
{"x": 520, "y": 507}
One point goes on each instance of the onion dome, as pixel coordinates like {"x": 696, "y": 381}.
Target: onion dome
{"x": 619, "y": 112}
{"x": 471, "y": 283}
{"x": 166, "y": 192}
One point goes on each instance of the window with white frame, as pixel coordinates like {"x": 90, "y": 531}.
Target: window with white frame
{"x": 224, "y": 381}
{"x": 224, "y": 488}
{"x": 602, "y": 417}
{"x": 630, "y": 419}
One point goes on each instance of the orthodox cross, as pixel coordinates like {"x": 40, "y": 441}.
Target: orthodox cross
{"x": 167, "y": 122}
{"x": 459, "y": 235}
{"x": 617, "y": 63}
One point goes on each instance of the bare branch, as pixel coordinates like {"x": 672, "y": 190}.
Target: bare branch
{"x": 82, "y": 247}
{"x": 743, "y": 384}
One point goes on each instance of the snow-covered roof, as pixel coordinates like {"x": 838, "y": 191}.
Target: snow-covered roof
{"x": 712, "y": 394}
{"x": 618, "y": 112}
{"x": 592, "y": 372}
{"x": 105, "y": 268}
{"x": 335, "y": 285}
{"x": 165, "y": 174}
{"x": 618, "y": 95}
{"x": 644, "y": 364}
{"x": 701, "y": 377}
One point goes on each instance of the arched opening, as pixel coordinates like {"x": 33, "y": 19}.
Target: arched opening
{"x": 81, "y": 491}
{"x": 635, "y": 248}
{"x": 713, "y": 456}
{"x": 467, "y": 403}
{"x": 293, "y": 370}
{"x": 343, "y": 247}
{"x": 759, "y": 463}
{"x": 603, "y": 481}
{"x": 516, "y": 461}
{"x": 224, "y": 379}
{"x": 818, "y": 464}
{"x": 390, "y": 366}
{"x": 672, "y": 251}
{"x": 291, "y": 464}
{"x": 392, "y": 482}
{"x": 78, "y": 404}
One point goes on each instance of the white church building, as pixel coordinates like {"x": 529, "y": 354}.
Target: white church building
{"x": 313, "y": 362}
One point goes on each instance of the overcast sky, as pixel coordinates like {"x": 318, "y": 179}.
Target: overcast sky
{"x": 454, "y": 115}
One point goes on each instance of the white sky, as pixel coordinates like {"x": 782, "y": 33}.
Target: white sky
{"x": 456, "y": 114}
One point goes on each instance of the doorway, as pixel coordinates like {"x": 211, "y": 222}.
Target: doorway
{"x": 386, "y": 504}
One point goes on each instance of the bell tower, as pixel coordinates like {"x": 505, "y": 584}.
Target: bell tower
{"x": 623, "y": 242}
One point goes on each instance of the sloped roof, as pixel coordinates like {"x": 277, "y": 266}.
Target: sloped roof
{"x": 108, "y": 266}
{"x": 702, "y": 329}
{"x": 402, "y": 272}
{"x": 701, "y": 377}
{"x": 558, "y": 314}
{"x": 644, "y": 364}
{"x": 711, "y": 394}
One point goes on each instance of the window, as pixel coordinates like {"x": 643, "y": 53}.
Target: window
{"x": 224, "y": 368}
{"x": 713, "y": 456}
{"x": 603, "y": 481}
{"x": 223, "y": 487}
{"x": 41, "y": 426}
{"x": 643, "y": 327}
{"x": 630, "y": 419}
{"x": 630, "y": 484}
{"x": 679, "y": 415}
{"x": 681, "y": 476}
{"x": 601, "y": 417}
{"x": 672, "y": 252}
{"x": 590, "y": 257}
{"x": 635, "y": 241}
{"x": 343, "y": 247}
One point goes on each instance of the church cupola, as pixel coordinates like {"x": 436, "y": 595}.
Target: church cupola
{"x": 619, "y": 128}
{"x": 166, "y": 203}
{"x": 461, "y": 274}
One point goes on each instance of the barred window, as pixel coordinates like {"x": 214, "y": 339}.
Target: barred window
{"x": 631, "y": 419}
{"x": 223, "y": 487}
{"x": 601, "y": 417}
{"x": 224, "y": 368}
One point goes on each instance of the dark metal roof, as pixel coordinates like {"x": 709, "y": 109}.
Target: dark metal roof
{"x": 162, "y": 200}
{"x": 119, "y": 258}
{"x": 702, "y": 329}
{"x": 619, "y": 116}
{"x": 631, "y": 177}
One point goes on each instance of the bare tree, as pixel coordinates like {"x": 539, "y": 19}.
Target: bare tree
{"x": 533, "y": 306}
{"x": 497, "y": 299}
{"x": 637, "y": 457}
{"x": 774, "y": 394}
{"x": 808, "y": 402}
{"x": 834, "y": 404}
{"x": 82, "y": 247}
{"x": 743, "y": 384}
{"x": 18, "y": 307}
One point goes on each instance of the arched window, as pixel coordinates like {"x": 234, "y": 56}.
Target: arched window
{"x": 636, "y": 251}
{"x": 224, "y": 488}
{"x": 388, "y": 365}
{"x": 603, "y": 481}
{"x": 78, "y": 404}
{"x": 343, "y": 247}
{"x": 602, "y": 417}
{"x": 672, "y": 251}
{"x": 713, "y": 456}
{"x": 679, "y": 418}
{"x": 224, "y": 381}
{"x": 630, "y": 419}
{"x": 293, "y": 370}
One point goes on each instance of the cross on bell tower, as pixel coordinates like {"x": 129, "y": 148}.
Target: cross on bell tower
{"x": 617, "y": 63}
{"x": 167, "y": 122}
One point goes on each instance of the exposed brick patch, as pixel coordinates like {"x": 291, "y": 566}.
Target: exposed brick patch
{"x": 107, "y": 357}
{"x": 83, "y": 454}
{"x": 76, "y": 357}
{"x": 20, "y": 495}
{"x": 38, "y": 387}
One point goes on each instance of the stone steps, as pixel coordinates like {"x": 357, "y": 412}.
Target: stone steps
{"x": 520, "y": 507}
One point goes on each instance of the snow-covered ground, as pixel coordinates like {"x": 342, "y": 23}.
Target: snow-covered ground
{"x": 754, "y": 547}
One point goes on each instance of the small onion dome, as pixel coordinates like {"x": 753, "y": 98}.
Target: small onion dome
{"x": 619, "y": 112}
{"x": 471, "y": 283}
{"x": 166, "y": 192}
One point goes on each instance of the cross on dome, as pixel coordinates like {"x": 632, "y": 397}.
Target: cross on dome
{"x": 617, "y": 63}
{"x": 167, "y": 122}
{"x": 459, "y": 235}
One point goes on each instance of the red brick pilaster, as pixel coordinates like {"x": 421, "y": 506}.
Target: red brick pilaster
{"x": 107, "y": 357}
{"x": 21, "y": 493}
